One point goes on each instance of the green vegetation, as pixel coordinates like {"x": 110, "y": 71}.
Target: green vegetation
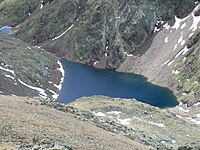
{"x": 13, "y": 12}
{"x": 31, "y": 65}
{"x": 187, "y": 81}
{"x": 102, "y": 30}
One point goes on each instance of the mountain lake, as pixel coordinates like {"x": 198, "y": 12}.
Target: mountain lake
{"x": 83, "y": 81}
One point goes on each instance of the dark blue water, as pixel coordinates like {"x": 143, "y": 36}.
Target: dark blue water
{"x": 81, "y": 80}
{"x": 6, "y": 30}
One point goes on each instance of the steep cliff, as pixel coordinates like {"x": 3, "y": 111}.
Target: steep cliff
{"x": 103, "y": 30}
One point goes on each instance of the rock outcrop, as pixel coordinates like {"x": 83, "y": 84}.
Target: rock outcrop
{"x": 103, "y": 31}
{"x": 125, "y": 35}
{"x": 27, "y": 70}
{"x": 187, "y": 78}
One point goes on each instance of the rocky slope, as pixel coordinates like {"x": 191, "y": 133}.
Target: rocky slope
{"x": 91, "y": 30}
{"x": 26, "y": 70}
{"x": 149, "y": 125}
{"x": 158, "y": 39}
{"x": 24, "y": 120}
{"x": 144, "y": 37}
{"x": 172, "y": 60}
{"x": 129, "y": 124}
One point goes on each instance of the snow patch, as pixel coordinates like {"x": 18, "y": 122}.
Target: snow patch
{"x": 96, "y": 62}
{"x": 171, "y": 62}
{"x": 197, "y": 104}
{"x": 175, "y": 47}
{"x": 177, "y": 23}
{"x": 180, "y": 39}
{"x": 39, "y": 90}
{"x": 183, "y": 26}
{"x": 156, "y": 29}
{"x": 193, "y": 120}
{"x": 62, "y": 33}
{"x": 9, "y": 76}
{"x": 114, "y": 112}
{"x": 7, "y": 70}
{"x": 175, "y": 72}
{"x": 182, "y": 42}
{"x": 129, "y": 55}
{"x": 166, "y": 26}
{"x": 173, "y": 141}
{"x": 198, "y": 115}
{"x": 167, "y": 62}
{"x": 183, "y": 52}
{"x": 196, "y": 20}
{"x": 124, "y": 121}
{"x": 41, "y": 6}
{"x": 61, "y": 69}
{"x": 156, "y": 124}
{"x": 99, "y": 114}
{"x": 59, "y": 86}
{"x": 166, "y": 40}
{"x": 184, "y": 110}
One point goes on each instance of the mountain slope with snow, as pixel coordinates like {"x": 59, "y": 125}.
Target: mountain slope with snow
{"x": 26, "y": 70}
{"x": 172, "y": 58}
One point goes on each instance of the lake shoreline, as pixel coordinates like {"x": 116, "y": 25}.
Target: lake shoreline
{"x": 83, "y": 80}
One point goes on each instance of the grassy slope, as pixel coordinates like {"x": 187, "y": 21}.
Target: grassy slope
{"x": 13, "y": 12}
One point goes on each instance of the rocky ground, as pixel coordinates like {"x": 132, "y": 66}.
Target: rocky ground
{"x": 91, "y": 30}
{"x": 26, "y": 70}
{"x": 100, "y": 33}
{"x": 25, "y": 120}
{"x": 149, "y": 125}
{"x": 172, "y": 58}
{"x": 92, "y": 123}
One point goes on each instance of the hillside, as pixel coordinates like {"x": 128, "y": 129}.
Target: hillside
{"x": 90, "y": 30}
{"x": 172, "y": 59}
{"x": 98, "y": 123}
{"x": 26, "y": 70}
{"x": 24, "y": 119}
{"x": 159, "y": 39}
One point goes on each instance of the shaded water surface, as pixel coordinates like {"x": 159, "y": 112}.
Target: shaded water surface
{"x": 81, "y": 80}
{"x": 6, "y": 29}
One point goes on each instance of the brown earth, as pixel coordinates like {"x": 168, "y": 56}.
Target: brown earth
{"x": 22, "y": 119}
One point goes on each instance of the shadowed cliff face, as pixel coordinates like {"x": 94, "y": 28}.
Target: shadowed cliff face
{"x": 97, "y": 30}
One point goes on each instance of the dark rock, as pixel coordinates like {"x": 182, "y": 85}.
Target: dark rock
{"x": 197, "y": 13}
{"x": 95, "y": 29}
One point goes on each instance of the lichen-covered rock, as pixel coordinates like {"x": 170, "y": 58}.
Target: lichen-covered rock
{"x": 44, "y": 144}
{"x": 187, "y": 81}
{"x": 97, "y": 30}
{"x": 26, "y": 70}
{"x": 151, "y": 126}
{"x": 16, "y": 11}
